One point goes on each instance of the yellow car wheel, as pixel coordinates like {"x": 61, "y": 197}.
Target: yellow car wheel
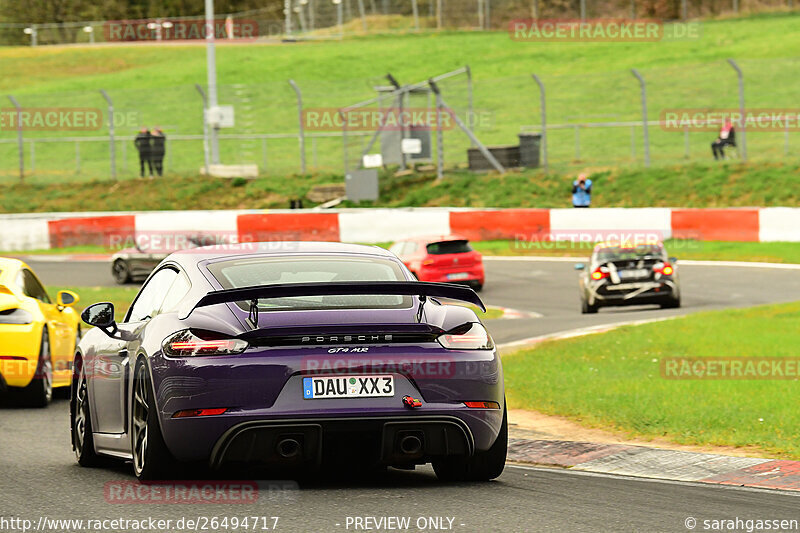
{"x": 39, "y": 393}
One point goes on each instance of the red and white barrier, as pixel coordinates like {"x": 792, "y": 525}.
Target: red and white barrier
{"x": 53, "y": 230}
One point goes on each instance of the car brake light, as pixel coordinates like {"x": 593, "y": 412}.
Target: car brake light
{"x": 186, "y": 343}
{"x": 470, "y": 336}
{"x": 666, "y": 269}
{"x": 482, "y": 405}
{"x": 188, "y": 413}
{"x": 598, "y": 274}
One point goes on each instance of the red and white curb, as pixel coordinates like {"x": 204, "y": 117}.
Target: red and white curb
{"x": 528, "y": 228}
{"x": 656, "y": 463}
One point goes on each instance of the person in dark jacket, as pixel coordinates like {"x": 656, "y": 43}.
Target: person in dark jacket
{"x": 727, "y": 136}
{"x": 144, "y": 147}
{"x": 159, "y": 149}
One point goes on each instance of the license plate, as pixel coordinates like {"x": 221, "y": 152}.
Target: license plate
{"x": 460, "y": 275}
{"x": 633, "y": 274}
{"x": 348, "y": 387}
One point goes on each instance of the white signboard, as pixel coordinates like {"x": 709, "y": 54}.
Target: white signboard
{"x": 373, "y": 161}
{"x": 411, "y": 146}
{"x": 220, "y": 116}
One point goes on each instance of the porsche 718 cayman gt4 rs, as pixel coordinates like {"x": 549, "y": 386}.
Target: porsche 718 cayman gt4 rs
{"x": 290, "y": 355}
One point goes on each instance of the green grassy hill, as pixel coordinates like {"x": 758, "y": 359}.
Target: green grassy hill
{"x": 586, "y": 82}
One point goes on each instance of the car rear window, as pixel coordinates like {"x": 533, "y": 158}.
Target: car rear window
{"x": 449, "y": 247}
{"x": 236, "y": 273}
{"x": 617, "y": 253}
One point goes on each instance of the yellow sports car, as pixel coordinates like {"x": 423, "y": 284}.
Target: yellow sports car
{"x": 37, "y": 337}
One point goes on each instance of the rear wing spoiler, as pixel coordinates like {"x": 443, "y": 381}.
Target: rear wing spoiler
{"x": 339, "y": 288}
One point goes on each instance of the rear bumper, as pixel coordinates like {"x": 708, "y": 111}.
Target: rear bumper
{"x": 474, "y": 274}
{"x": 19, "y": 353}
{"x": 369, "y": 440}
{"x": 656, "y": 292}
{"x": 265, "y": 391}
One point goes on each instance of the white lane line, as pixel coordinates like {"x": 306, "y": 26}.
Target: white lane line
{"x": 579, "y": 332}
{"x": 689, "y": 262}
{"x": 567, "y": 471}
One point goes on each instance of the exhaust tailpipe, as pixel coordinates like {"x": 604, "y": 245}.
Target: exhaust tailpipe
{"x": 288, "y": 448}
{"x": 410, "y": 445}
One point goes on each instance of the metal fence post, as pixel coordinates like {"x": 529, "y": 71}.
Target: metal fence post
{"x": 644, "y": 117}
{"x": 206, "y": 155}
{"x": 415, "y": 11}
{"x": 438, "y": 14}
{"x": 301, "y": 135}
{"x": 287, "y": 11}
{"x": 111, "y": 134}
{"x": 743, "y": 135}
{"x": 470, "y": 107}
{"x": 735, "y": 6}
{"x": 439, "y": 138}
{"x": 543, "y": 109}
{"x": 786, "y": 138}
{"x": 488, "y": 16}
{"x": 363, "y": 14}
{"x": 686, "y": 142}
{"x": 20, "y": 145}
{"x": 583, "y": 9}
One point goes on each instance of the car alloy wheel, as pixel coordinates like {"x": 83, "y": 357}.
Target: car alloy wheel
{"x": 140, "y": 412}
{"x": 81, "y": 415}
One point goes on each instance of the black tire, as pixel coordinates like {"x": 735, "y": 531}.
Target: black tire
{"x": 39, "y": 392}
{"x": 151, "y": 458}
{"x": 80, "y": 419}
{"x": 672, "y": 304}
{"x": 121, "y": 272}
{"x": 483, "y": 466}
{"x": 587, "y": 309}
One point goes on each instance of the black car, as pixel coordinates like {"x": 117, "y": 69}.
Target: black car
{"x": 620, "y": 274}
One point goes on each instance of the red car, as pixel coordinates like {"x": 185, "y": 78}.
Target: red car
{"x": 445, "y": 259}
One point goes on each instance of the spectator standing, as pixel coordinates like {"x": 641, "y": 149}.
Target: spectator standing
{"x": 159, "y": 149}
{"x": 145, "y": 149}
{"x": 727, "y": 136}
{"x": 582, "y": 191}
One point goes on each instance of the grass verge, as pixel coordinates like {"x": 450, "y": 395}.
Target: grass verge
{"x": 121, "y": 297}
{"x": 613, "y": 380}
{"x": 727, "y": 184}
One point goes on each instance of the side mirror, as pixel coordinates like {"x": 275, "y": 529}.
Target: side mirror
{"x": 100, "y": 316}
{"x": 579, "y": 266}
{"x": 67, "y": 298}
{"x": 673, "y": 260}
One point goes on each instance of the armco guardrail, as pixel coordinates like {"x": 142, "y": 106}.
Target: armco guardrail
{"x": 52, "y": 230}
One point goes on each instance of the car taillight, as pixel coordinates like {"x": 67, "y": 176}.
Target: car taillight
{"x": 15, "y": 316}
{"x": 187, "y": 344}
{"x": 428, "y": 262}
{"x": 666, "y": 269}
{"x": 598, "y": 274}
{"x": 188, "y": 413}
{"x": 482, "y": 405}
{"x": 471, "y": 336}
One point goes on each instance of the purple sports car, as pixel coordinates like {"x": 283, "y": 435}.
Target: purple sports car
{"x": 293, "y": 355}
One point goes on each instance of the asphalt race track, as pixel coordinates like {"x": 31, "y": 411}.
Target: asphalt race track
{"x": 39, "y": 477}
{"x": 550, "y": 289}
